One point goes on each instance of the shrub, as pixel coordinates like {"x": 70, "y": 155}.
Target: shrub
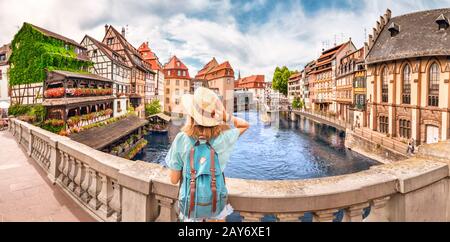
{"x": 153, "y": 107}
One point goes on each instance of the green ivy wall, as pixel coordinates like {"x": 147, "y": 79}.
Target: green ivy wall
{"x": 33, "y": 53}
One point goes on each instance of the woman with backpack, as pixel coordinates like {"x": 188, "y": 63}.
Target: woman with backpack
{"x": 199, "y": 154}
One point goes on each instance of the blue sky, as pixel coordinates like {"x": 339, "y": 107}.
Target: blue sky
{"x": 255, "y": 36}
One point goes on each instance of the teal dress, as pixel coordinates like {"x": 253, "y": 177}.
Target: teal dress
{"x": 179, "y": 154}
{"x": 179, "y": 151}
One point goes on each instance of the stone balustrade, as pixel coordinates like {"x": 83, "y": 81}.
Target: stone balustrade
{"x": 111, "y": 188}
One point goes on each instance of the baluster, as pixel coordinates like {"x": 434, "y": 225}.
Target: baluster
{"x": 167, "y": 210}
{"x": 290, "y": 217}
{"x": 94, "y": 190}
{"x": 62, "y": 167}
{"x": 72, "y": 173}
{"x": 66, "y": 170}
{"x": 78, "y": 178}
{"x": 105, "y": 195}
{"x": 115, "y": 202}
{"x": 378, "y": 210}
{"x": 86, "y": 183}
{"x": 354, "y": 213}
{"x": 251, "y": 216}
{"x": 324, "y": 215}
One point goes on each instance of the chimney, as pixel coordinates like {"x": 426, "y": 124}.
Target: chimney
{"x": 123, "y": 32}
{"x": 106, "y": 28}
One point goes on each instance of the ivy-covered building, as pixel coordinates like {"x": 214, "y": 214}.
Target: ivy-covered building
{"x": 34, "y": 52}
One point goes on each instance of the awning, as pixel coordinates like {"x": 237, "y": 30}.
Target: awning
{"x": 100, "y": 137}
{"x": 161, "y": 116}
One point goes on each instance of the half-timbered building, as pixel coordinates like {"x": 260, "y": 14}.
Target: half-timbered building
{"x": 50, "y": 46}
{"x": 70, "y": 94}
{"x": 141, "y": 74}
{"x": 156, "y": 91}
{"x": 111, "y": 65}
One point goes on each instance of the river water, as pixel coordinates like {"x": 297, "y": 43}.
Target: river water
{"x": 282, "y": 150}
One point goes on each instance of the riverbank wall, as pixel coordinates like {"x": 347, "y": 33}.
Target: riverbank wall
{"x": 376, "y": 147}
{"x": 371, "y": 149}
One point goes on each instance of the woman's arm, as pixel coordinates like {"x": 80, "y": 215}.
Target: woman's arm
{"x": 239, "y": 123}
{"x": 174, "y": 176}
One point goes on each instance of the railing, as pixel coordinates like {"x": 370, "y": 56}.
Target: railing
{"x": 381, "y": 139}
{"x": 115, "y": 189}
{"x": 333, "y": 120}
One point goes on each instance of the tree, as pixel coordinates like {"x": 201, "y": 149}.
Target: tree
{"x": 280, "y": 79}
{"x": 153, "y": 107}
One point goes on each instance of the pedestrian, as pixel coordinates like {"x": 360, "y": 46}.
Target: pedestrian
{"x": 408, "y": 151}
{"x": 199, "y": 154}
{"x": 412, "y": 145}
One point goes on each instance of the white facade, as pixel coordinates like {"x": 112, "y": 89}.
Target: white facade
{"x": 244, "y": 100}
{"x": 159, "y": 89}
{"x": 4, "y": 97}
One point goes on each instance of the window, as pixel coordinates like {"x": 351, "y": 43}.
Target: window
{"x": 177, "y": 101}
{"x": 185, "y": 83}
{"x": 167, "y": 100}
{"x": 167, "y": 91}
{"x": 384, "y": 86}
{"x": 433, "y": 86}
{"x": 177, "y": 92}
{"x": 168, "y": 72}
{"x": 177, "y": 82}
{"x": 383, "y": 124}
{"x": 109, "y": 41}
{"x": 405, "y": 128}
{"x": 406, "y": 88}
{"x": 3, "y": 57}
{"x": 167, "y": 82}
{"x": 179, "y": 73}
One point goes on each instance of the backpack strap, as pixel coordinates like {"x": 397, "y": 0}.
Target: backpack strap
{"x": 192, "y": 182}
{"x": 213, "y": 178}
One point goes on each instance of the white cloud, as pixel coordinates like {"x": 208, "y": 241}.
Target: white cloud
{"x": 200, "y": 29}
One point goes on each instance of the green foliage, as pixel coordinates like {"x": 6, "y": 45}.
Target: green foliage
{"x": 138, "y": 147}
{"x": 280, "y": 79}
{"x": 37, "y": 111}
{"x": 19, "y": 109}
{"x": 153, "y": 107}
{"x": 297, "y": 103}
{"x": 33, "y": 53}
{"x": 52, "y": 128}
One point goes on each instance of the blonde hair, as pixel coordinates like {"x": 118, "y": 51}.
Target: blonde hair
{"x": 196, "y": 131}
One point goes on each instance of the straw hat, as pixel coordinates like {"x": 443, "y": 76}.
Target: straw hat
{"x": 204, "y": 107}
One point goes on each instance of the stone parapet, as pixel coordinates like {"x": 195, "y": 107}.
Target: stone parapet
{"x": 115, "y": 189}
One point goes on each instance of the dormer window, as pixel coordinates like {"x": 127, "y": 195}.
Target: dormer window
{"x": 442, "y": 21}
{"x": 394, "y": 29}
{"x": 178, "y": 63}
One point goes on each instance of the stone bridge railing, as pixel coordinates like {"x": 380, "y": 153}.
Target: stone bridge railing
{"x": 115, "y": 189}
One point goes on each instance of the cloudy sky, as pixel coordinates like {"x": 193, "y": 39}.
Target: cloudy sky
{"x": 255, "y": 36}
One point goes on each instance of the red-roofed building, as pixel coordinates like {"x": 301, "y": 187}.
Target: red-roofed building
{"x": 152, "y": 59}
{"x": 177, "y": 83}
{"x": 220, "y": 76}
{"x": 254, "y": 84}
{"x": 325, "y": 73}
